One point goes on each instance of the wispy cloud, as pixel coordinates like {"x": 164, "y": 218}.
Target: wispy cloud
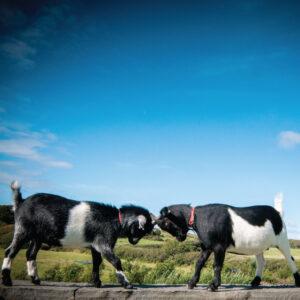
{"x": 25, "y": 33}
{"x": 28, "y": 182}
{"x": 19, "y": 52}
{"x": 288, "y": 139}
{"x": 58, "y": 164}
{"x": 27, "y": 145}
{"x": 9, "y": 163}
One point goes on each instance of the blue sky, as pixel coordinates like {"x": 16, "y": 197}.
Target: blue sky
{"x": 152, "y": 102}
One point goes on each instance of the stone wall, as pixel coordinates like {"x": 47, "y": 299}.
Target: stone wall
{"x": 24, "y": 290}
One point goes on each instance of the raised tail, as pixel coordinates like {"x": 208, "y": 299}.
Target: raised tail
{"x": 17, "y": 196}
{"x": 278, "y": 203}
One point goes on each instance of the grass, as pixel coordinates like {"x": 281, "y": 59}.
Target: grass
{"x": 151, "y": 261}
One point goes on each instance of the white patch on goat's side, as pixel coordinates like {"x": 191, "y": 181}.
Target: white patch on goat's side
{"x": 32, "y": 268}
{"x": 6, "y": 263}
{"x": 142, "y": 221}
{"x": 74, "y": 232}
{"x": 250, "y": 239}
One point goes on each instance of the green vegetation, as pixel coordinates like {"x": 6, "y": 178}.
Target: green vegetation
{"x": 6, "y": 215}
{"x": 156, "y": 259}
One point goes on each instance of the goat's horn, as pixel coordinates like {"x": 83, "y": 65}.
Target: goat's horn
{"x": 154, "y": 219}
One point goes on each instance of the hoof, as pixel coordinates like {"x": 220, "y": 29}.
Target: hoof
{"x": 212, "y": 287}
{"x": 6, "y": 280}
{"x": 256, "y": 282}
{"x": 191, "y": 285}
{"x": 98, "y": 284}
{"x": 35, "y": 280}
{"x": 297, "y": 279}
{"x": 128, "y": 286}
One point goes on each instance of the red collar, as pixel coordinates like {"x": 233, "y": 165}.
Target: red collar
{"x": 120, "y": 217}
{"x": 191, "y": 220}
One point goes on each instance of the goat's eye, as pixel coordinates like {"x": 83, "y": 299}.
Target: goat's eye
{"x": 166, "y": 224}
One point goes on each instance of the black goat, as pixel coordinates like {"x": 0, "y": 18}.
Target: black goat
{"x": 221, "y": 228}
{"x": 56, "y": 221}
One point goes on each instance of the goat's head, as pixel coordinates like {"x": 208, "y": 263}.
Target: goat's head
{"x": 172, "y": 222}
{"x": 137, "y": 222}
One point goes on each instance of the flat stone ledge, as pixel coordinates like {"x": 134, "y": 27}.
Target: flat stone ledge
{"x": 24, "y": 290}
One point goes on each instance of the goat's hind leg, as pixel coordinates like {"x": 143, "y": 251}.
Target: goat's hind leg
{"x": 204, "y": 255}
{"x": 10, "y": 253}
{"x": 260, "y": 264}
{"x": 219, "y": 253}
{"x": 31, "y": 253}
{"x": 284, "y": 248}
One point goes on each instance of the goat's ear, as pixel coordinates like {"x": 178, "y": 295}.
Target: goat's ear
{"x": 142, "y": 221}
{"x": 165, "y": 212}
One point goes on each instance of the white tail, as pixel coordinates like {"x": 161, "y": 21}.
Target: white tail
{"x": 17, "y": 197}
{"x": 15, "y": 185}
{"x": 278, "y": 203}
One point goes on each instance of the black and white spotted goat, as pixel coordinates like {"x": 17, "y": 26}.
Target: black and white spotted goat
{"x": 221, "y": 228}
{"x": 56, "y": 221}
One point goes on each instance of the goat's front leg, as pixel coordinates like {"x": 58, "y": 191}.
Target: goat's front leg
{"x": 97, "y": 259}
{"x": 219, "y": 253}
{"x": 204, "y": 255}
{"x": 116, "y": 262}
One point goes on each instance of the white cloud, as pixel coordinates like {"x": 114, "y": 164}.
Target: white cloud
{"x": 288, "y": 139}
{"x": 23, "y": 148}
{"x": 18, "y": 52}
{"x": 58, "y": 164}
{"x": 9, "y": 163}
{"x": 27, "y": 182}
{"x": 27, "y": 145}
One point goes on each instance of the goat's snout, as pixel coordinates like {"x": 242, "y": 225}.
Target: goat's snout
{"x": 181, "y": 237}
{"x": 134, "y": 241}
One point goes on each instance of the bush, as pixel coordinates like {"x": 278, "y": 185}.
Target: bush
{"x": 73, "y": 272}
{"x": 147, "y": 254}
{"x": 69, "y": 273}
{"x": 6, "y": 239}
{"x": 54, "y": 274}
{"x": 172, "y": 247}
{"x": 6, "y": 214}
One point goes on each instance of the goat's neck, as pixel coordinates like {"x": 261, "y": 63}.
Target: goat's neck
{"x": 186, "y": 214}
